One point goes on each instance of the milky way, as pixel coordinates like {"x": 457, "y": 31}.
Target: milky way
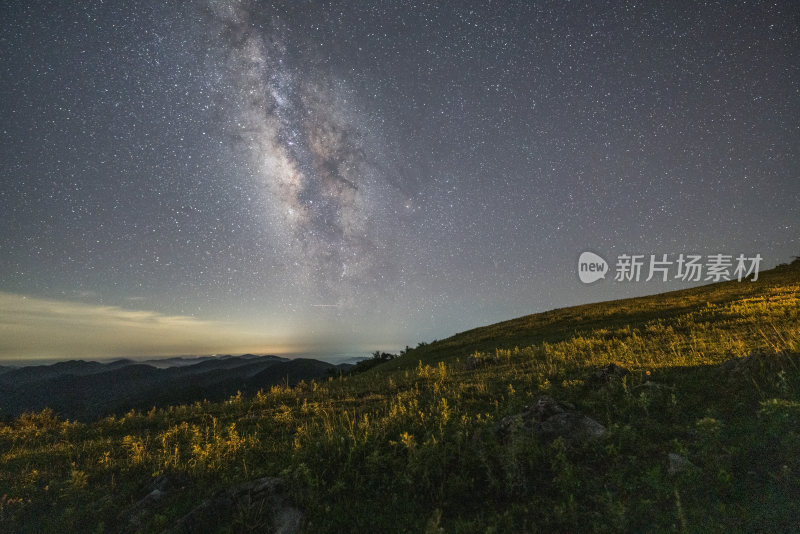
{"x": 307, "y": 152}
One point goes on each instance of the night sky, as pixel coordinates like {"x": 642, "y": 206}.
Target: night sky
{"x": 340, "y": 177}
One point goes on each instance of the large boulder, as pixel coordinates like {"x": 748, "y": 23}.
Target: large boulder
{"x": 261, "y": 499}
{"x": 678, "y": 463}
{"x": 761, "y": 361}
{"x": 136, "y": 515}
{"x": 549, "y": 419}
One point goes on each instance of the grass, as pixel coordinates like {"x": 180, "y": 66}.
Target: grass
{"x": 410, "y": 446}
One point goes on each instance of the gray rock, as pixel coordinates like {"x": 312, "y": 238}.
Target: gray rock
{"x": 262, "y": 497}
{"x": 550, "y": 419}
{"x": 144, "y": 507}
{"x": 760, "y": 361}
{"x": 137, "y": 514}
{"x": 678, "y": 463}
{"x": 572, "y": 426}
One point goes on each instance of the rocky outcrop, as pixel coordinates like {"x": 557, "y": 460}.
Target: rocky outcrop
{"x": 262, "y": 500}
{"x": 678, "y": 463}
{"x": 549, "y": 419}
{"x": 260, "y": 503}
{"x": 761, "y": 361}
{"x": 137, "y": 515}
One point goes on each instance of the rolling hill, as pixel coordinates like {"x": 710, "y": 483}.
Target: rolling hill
{"x": 86, "y": 390}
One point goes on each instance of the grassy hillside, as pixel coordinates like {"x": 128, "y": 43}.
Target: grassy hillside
{"x": 683, "y": 310}
{"x": 701, "y": 433}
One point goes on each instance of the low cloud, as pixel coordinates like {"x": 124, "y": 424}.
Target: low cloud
{"x": 42, "y": 328}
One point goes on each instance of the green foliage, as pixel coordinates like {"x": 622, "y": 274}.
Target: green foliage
{"x": 378, "y": 358}
{"x": 410, "y": 445}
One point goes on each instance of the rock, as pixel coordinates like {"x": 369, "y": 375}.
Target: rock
{"x": 145, "y": 507}
{"x": 550, "y": 419}
{"x": 262, "y": 498}
{"x": 261, "y": 501}
{"x": 678, "y": 463}
{"x": 738, "y": 365}
{"x": 572, "y": 426}
{"x": 760, "y": 361}
{"x": 170, "y": 481}
{"x": 547, "y": 407}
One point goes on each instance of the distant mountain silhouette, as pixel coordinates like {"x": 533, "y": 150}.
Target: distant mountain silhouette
{"x": 84, "y": 390}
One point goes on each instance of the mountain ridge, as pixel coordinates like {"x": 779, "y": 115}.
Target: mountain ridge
{"x": 84, "y": 390}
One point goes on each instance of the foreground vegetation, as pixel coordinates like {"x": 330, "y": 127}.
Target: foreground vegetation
{"x": 411, "y": 445}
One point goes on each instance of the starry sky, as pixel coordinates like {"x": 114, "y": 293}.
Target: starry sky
{"x": 334, "y": 177}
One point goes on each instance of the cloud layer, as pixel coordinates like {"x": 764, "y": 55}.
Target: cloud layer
{"x": 43, "y": 328}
